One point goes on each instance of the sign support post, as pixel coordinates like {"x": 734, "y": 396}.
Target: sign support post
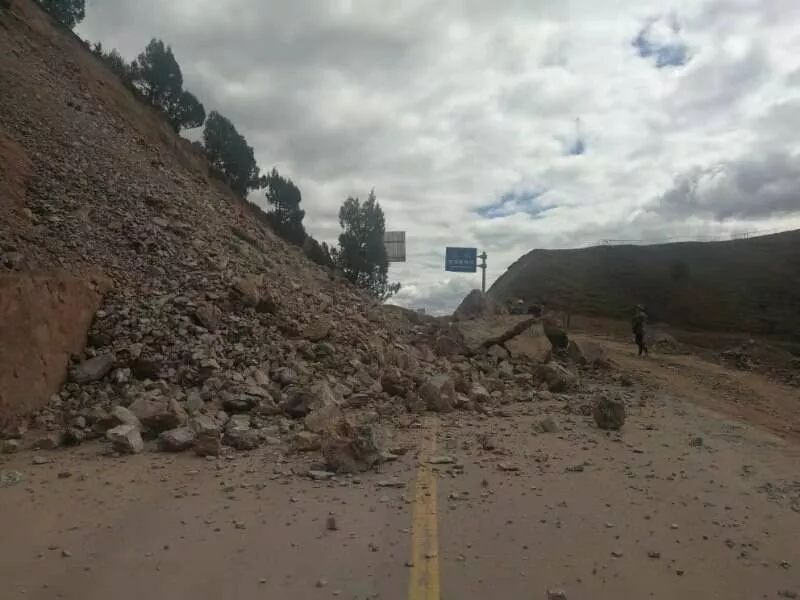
{"x": 482, "y": 267}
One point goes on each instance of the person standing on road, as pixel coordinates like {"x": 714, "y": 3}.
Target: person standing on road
{"x": 639, "y": 324}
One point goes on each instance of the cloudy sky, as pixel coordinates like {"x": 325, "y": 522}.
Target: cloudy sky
{"x": 506, "y": 125}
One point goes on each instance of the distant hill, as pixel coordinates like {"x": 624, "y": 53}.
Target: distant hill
{"x": 749, "y": 285}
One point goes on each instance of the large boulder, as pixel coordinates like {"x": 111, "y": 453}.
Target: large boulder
{"x": 176, "y": 440}
{"x": 609, "y": 413}
{"x": 204, "y": 424}
{"x": 556, "y": 377}
{"x": 477, "y": 305}
{"x": 126, "y": 439}
{"x": 325, "y": 418}
{"x": 586, "y": 353}
{"x": 302, "y": 400}
{"x": 352, "y": 449}
{"x": 247, "y": 290}
{"x": 393, "y": 382}
{"x": 439, "y": 393}
{"x": 239, "y": 435}
{"x": 208, "y": 444}
{"x": 157, "y": 413}
{"x": 522, "y": 335}
{"x": 92, "y": 369}
{"x": 531, "y": 344}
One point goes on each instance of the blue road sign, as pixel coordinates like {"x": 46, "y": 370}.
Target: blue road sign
{"x": 461, "y": 260}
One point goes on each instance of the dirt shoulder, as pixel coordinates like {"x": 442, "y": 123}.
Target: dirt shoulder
{"x": 745, "y": 395}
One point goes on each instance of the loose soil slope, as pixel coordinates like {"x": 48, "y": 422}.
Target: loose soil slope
{"x": 750, "y": 285}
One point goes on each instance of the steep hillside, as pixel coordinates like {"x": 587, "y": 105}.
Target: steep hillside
{"x": 206, "y": 304}
{"x": 142, "y": 298}
{"x": 750, "y": 285}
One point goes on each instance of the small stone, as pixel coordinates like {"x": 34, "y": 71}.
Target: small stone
{"x": 509, "y": 467}
{"x": 9, "y": 446}
{"x": 556, "y": 595}
{"x": 616, "y": 554}
{"x": 66, "y": 553}
{"x": 49, "y": 441}
{"x": 547, "y": 425}
{"x": 321, "y": 583}
{"x": 697, "y": 442}
{"x": 40, "y": 460}
{"x": 330, "y": 523}
{"x": 653, "y": 554}
{"x": 392, "y": 483}
{"x": 9, "y": 478}
{"x": 441, "y": 460}
{"x": 674, "y": 526}
{"x": 575, "y": 469}
{"x": 317, "y": 475}
{"x": 787, "y": 594}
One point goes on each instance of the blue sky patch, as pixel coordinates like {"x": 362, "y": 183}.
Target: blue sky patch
{"x": 660, "y": 39}
{"x": 513, "y": 203}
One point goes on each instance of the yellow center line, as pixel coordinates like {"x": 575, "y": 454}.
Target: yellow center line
{"x": 424, "y": 577}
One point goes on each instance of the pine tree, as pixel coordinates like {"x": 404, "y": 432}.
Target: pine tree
{"x": 361, "y": 254}
{"x": 286, "y": 215}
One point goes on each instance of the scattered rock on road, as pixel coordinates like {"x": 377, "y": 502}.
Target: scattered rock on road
{"x": 126, "y": 439}
{"x": 352, "y": 449}
{"x": 176, "y": 440}
{"x": 609, "y": 413}
{"x": 547, "y": 425}
{"x": 556, "y": 377}
{"x": 9, "y": 478}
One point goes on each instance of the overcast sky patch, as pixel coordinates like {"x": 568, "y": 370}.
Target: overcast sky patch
{"x": 454, "y": 110}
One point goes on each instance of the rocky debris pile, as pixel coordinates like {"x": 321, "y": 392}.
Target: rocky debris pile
{"x": 216, "y": 334}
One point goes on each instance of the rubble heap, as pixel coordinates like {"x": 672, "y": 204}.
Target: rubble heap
{"x": 215, "y": 333}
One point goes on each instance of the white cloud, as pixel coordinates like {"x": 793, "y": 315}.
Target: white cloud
{"x": 446, "y": 108}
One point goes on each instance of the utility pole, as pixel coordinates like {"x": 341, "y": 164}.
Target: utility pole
{"x": 482, "y": 267}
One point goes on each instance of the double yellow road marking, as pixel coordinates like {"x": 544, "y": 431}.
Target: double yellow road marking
{"x": 424, "y": 579}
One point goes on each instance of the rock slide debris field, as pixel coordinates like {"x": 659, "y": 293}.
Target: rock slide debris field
{"x": 241, "y": 423}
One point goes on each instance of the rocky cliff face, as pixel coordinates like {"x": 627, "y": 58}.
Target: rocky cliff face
{"x": 43, "y": 320}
